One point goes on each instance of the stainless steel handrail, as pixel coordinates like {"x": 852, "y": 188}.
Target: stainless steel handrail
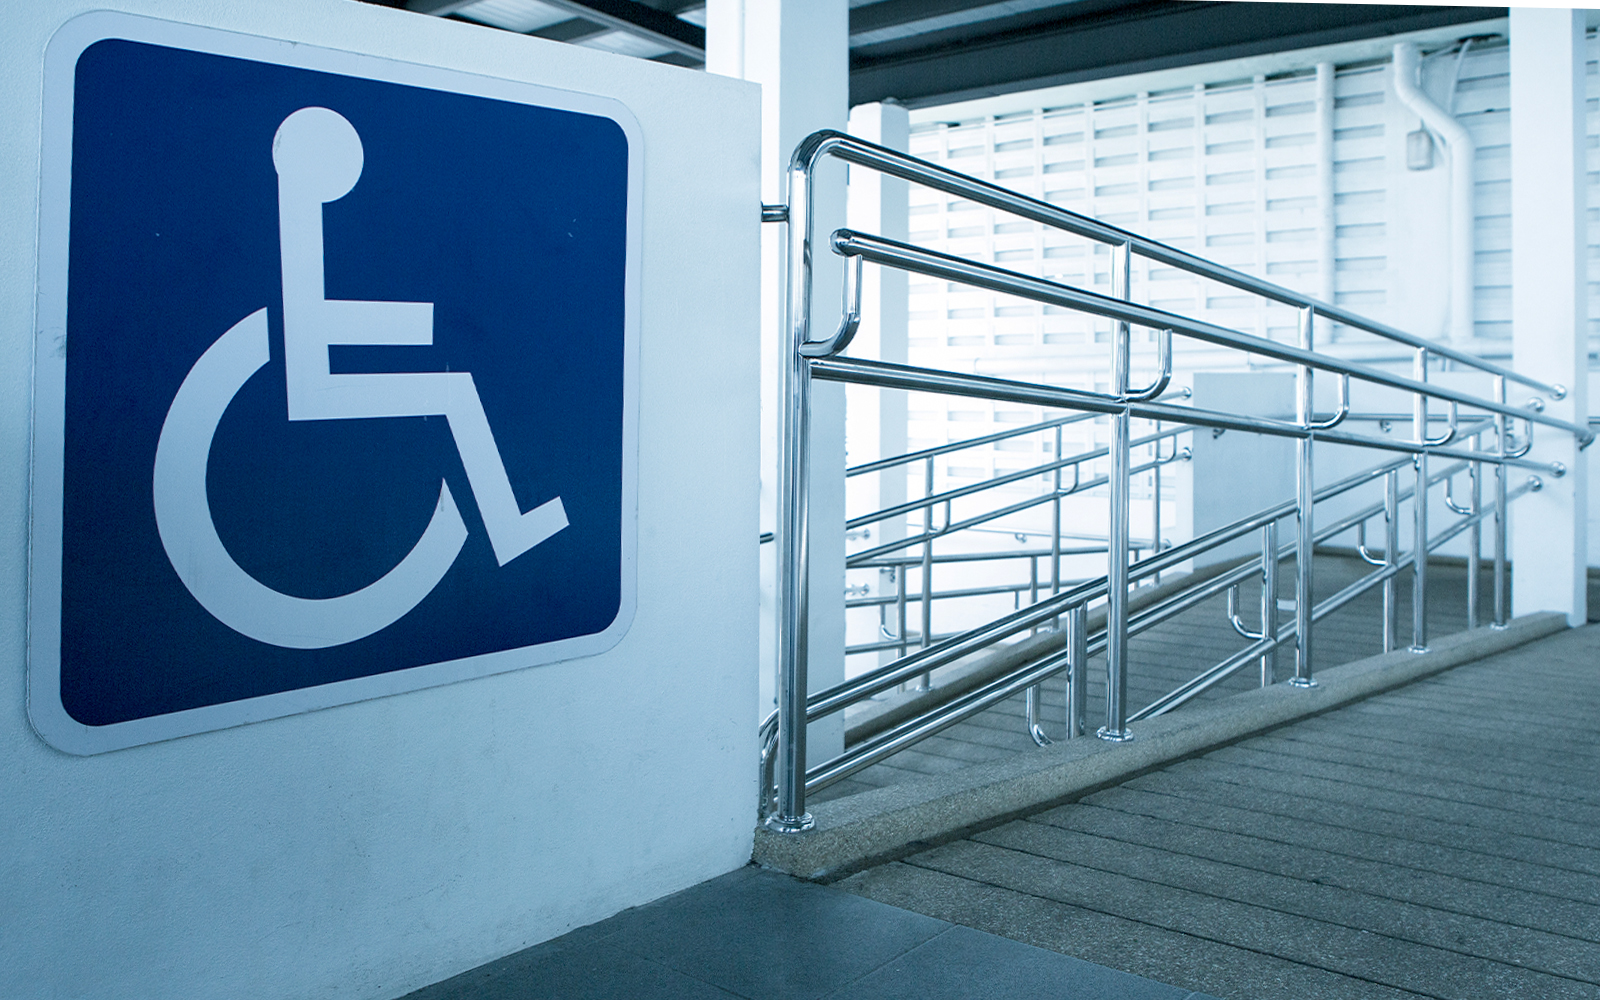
{"x": 883, "y": 374}
{"x": 783, "y": 737}
{"x": 878, "y": 250}
{"x": 906, "y": 167}
{"x": 1004, "y": 479}
{"x": 954, "y": 446}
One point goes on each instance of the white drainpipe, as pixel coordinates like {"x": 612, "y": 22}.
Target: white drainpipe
{"x": 1458, "y": 142}
{"x": 1326, "y": 225}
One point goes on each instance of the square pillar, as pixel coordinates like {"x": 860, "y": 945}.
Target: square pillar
{"x": 1549, "y": 300}
{"x": 799, "y": 52}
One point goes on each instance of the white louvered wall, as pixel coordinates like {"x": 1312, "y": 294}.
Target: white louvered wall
{"x": 1226, "y": 168}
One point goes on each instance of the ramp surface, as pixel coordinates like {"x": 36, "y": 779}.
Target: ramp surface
{"x": 1440, "y": 840}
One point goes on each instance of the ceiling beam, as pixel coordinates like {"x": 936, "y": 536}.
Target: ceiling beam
{"x": 1120, "y": 39}
{"x": 438, "y": 8}
{"x": 635, "y": 18}
{"x": 574, "y": 30}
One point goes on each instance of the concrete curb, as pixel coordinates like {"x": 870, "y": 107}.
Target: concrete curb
{"x": 871, "y": 827}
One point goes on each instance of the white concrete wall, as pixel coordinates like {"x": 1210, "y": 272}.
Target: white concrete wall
{"x": 1236, "y": 474}
{"x": 367, "y": 850}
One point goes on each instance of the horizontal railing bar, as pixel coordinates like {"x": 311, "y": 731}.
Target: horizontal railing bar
{"x": 1350, "y": 521}
{"x": 1469, "y": 520}
{"x": 878, "y": 600}
{"x": 1395, "y": 418}
{"x": 1211, "y": 677}
{"x": 1178, "y": 603}
{"x": 931, "y": 263}
{"x": 962, "y": 445}
{"x": 853, "y": 562}
{"x": 824, "y": 703}
{"x": 859, "y": 559}
{"x": 919, "y": 728}
{"x": 911, "y": 639}
{"x": 1414, "y": 448}
{"x": 1360, "y": 478}
{"x": 956, "y": 557}
{"x": 1209, "y": 540}
{"x": 907, "y": 167}
{"x": 1227, "y": 533}
{"x": 860, "y": 371}
{"x": 992, "y": 482}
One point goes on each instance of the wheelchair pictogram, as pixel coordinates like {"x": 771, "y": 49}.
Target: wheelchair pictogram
{"x": 319, "y": 157}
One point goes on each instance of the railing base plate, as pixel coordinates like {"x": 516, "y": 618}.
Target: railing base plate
{"x": 790, "y": 824}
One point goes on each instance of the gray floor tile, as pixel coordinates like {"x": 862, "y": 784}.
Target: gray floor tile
{"x": 560, "y": 970}
{"x": 764, "y": 935}
{"x": 964, "y": 964}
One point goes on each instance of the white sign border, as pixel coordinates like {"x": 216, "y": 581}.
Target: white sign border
{"x": 45, "y": 710}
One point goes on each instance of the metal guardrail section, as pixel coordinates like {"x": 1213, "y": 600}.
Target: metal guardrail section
{"x": 882, "y": 555}
{"x": 786, "y": 775}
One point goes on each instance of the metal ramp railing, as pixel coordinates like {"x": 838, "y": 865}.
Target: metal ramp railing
{"x": 786, "y": 774}
{"x": 885, "y": 555}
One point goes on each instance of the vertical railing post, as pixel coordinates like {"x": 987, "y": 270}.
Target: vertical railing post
{"x": 1391, "y": 556}
{"x": 1419, "y": 509}
{"x": 1474, "y": 535}
{"x": 1155, "y": 501}
{"x": 1305, "y": 494}
{"x": 1116, "y": 727}
{"x": 1503, "y": 431}
{"x": 901, "y": 572}
{"x": 1035, "y": 702}
{"x": 794, "y": 488}
{"x": 927, "y": 566}
{"x": 1055, "y": 530}
{"x": 1269, "y": 601}
{"x": 1077, "y": 646}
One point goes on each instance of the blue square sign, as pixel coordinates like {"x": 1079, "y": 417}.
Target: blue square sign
{"x": 334, "y": 384}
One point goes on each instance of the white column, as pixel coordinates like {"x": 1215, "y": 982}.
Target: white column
{"x": 1549, "y": 318}
{"x": 798, "y": 50}
{"x": 876, "y": 425}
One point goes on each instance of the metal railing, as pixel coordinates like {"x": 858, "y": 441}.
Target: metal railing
{"x": 882, "y": 555}
{"x": 786, "y": 776}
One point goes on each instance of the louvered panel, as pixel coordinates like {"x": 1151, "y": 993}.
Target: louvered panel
{"x": 1361, "y": 139}
{"x": 1227, "y": 170}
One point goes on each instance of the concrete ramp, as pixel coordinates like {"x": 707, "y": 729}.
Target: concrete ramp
{"x": 1439, "y": 839}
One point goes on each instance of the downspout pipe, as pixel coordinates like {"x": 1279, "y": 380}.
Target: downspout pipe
{"x": 1458, "y": 143}
{"x": 1327, "y": 224}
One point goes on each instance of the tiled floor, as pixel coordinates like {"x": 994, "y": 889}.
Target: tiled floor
{"x": 765, "y": 936}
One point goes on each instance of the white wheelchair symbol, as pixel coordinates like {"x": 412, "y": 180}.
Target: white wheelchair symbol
{"x": 319, "y": 157}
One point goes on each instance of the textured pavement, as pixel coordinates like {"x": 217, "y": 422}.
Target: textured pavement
{"x": 1441, "y": 840}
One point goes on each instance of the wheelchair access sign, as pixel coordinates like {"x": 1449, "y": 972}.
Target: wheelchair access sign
{"x": 334, "y": 382}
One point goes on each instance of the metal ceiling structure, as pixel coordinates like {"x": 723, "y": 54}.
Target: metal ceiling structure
{"x": 928, "y": 52}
